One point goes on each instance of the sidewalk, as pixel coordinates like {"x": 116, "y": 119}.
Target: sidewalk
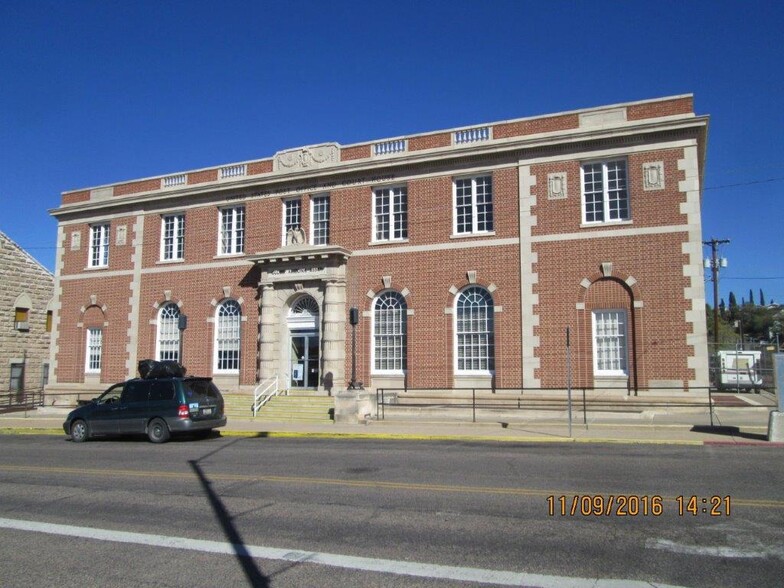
{"x": 687, "y": 429}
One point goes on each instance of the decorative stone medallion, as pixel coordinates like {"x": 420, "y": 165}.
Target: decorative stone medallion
{"x": 305, "y": 158}
{"x": 556, "y": 186}
{"x": 653, "y": 175}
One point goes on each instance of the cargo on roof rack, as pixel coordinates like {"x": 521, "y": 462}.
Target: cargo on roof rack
{"x": 150, "y": 369}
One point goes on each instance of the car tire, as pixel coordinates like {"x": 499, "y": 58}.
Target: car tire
{"x": 80, "y": 432}
{"x": 158, "y": 431}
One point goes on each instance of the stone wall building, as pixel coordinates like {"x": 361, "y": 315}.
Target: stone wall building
{"x": 467, "y": 253}
{"x": 25, "y": 330}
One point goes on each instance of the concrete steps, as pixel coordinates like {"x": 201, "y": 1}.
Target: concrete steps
{"x": 299, "y": 408}
{"x": 238, "y": 405}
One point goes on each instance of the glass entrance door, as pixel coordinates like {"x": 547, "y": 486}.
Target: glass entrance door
{"x": 304, "y": 360}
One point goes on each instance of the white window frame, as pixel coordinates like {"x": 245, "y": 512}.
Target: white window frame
{"x": 397, "y": 341}
{"x": 291, "y": 216}
{"x": 319, "y": 207}
{"x": 486, "y": 348}
{"x": 227, "y": 337}
{"x": 485, "y": 209}
{"x": 608, "y": 193}
{"x": 173, "y": 241}
{"x": 167, "y": 333}
{"x": 93, "y": 357}
{"x": 231, "y": 230}
{"x": 621, "y": 350}
{"x": 98, "y": 254}
{"x": 395, "y": 220}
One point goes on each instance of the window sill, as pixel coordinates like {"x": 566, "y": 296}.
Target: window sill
{"x": 469, "y": 235}
{"x": 605, "y": 224}
{"x": 169, "y": 261}
{"x": 95, "y": 268}
{"x": 229, "y": 255}
{"x": 388, "y": 242}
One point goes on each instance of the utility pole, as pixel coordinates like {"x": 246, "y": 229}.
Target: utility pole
{"x": 714, "y": 262}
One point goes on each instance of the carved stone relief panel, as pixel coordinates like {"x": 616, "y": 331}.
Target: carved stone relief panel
{"x": 653, "y": 175}
{"x": 556, "y": 186}
{"x": 305, "y": 158}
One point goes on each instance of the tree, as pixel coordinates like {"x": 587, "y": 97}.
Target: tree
{"x": 751, "y": 297}
{"x": 722, "y": 309}
{"x": 733, "y": 307}
{"x": 762, "y": 298}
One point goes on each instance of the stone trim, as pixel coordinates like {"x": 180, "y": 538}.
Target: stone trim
{"x": 528, "y": 280}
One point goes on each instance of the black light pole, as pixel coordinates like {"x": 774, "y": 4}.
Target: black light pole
{"x": 353, "y": 319}
{"x": 182, "y": 324}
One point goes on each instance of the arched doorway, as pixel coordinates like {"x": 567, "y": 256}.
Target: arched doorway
{"x": 304, "y": 356}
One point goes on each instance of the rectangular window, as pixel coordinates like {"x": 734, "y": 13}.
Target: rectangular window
{"x": 99, "y": 246}
{"x": 292, "y": 216}
{"x": 473, "y": 205}
{"x": 173, "y": 237}
{"x": 22, "y": 319}
{"x": 232, "y": 230}
{"x": 49, "y": 319}
{"x": 390, "y": 217}
{"x": 16, "y": 382}
{"x": 94, "y": 348}
{"x": 320, "y": 220}
{"x": 605, "y": 195}
{"x": 609, "y": 342}
{"x": 44, "y": 375}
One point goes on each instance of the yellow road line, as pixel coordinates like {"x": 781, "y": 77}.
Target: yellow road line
{"x": 382, "y": 485}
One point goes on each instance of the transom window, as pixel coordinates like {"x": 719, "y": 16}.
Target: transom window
{"x": 232, "y": 230}
{"x": 168, "y": 332}
{"x": 320, "y": 220}
{"x": 605, "y": 194}
{"x": 227, "y": 337}
{"x": 609, "y": 342}
{"x": 389, "y": 333}
{"x": 390, "y": 214}
{"x": 473, "y": 205}
{"x": 475, "y": 331}
{"x": 173, "y": 237}
{"x": 94, "y": 351}
{"x": 99, "y": 246}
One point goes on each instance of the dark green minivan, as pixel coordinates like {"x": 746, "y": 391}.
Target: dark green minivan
{"x": 156, "y": 407}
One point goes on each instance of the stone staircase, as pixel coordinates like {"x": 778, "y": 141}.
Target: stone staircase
{"x": 295, "y": 407}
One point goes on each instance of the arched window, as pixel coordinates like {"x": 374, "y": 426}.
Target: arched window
{"x": 168, "y": 333}
{"x": 389, "y": 333}
{"x": 227, "y": 336}
{"x": 474, "y": 331}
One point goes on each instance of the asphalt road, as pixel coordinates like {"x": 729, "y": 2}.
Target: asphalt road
{"x": 324, "y": 512}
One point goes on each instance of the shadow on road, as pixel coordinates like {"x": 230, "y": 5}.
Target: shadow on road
{"x": 252, "y": 572}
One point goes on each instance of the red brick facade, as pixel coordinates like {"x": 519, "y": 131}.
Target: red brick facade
{"x": 543, "y": 266}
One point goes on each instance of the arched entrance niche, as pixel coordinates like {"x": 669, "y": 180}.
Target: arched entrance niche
{"x": 608, "y": 335}
{"x": 304, "y": 349}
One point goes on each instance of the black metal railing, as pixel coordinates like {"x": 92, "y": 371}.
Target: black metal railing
{"x": 583, "y": 399}
{"x": 21, "y": 400}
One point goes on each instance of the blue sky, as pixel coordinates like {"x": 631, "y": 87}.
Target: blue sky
{"x": 100, "y": 92}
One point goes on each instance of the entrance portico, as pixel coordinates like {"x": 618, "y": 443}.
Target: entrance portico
{"x": 302, "y": 315}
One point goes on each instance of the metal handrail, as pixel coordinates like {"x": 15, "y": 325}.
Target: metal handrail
{"x": 264, "y": 392}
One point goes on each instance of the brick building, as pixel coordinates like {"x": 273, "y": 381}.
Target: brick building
{"x": 26, "y": 305}
{"x": 467, "y": 252}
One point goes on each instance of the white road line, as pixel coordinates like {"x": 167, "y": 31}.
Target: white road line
{"x": 712, "y": 550}
{"x": 386, "y": 566}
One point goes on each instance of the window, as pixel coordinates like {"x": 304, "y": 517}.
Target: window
{"x": 168, "y": 333}
{"x": 292, "y": 215}
{"x": 44, "y": 375}
{"x": 390, "y": 217}
{"x": 21, "y": 319}
{"x": 227, "y": 337}
{"x": 94, "y": 351}
{"x": 389, "y": 333}
{"x": 173, "y": 237}
{"x": 609, "y": 342}
{"x": 320, "y": 220}
{"x": 475, "y": 331}
{"x": 474, "y": 205}
{"x": 232, "y": 230}
{"x": 99, "y": 246}
{"x": 49, "y": 318}
{"x": 605, "y": 197}
{"x": 16, "y": 382}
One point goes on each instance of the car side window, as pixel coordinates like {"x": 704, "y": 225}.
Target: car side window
{"x": 161, "y": 391}
{"x": 135, "y": 392}
{"x": 111, "y": 395}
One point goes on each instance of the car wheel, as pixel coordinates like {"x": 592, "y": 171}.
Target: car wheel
{"x": 79, "y": 431}
{"x": 157, "y": 431}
